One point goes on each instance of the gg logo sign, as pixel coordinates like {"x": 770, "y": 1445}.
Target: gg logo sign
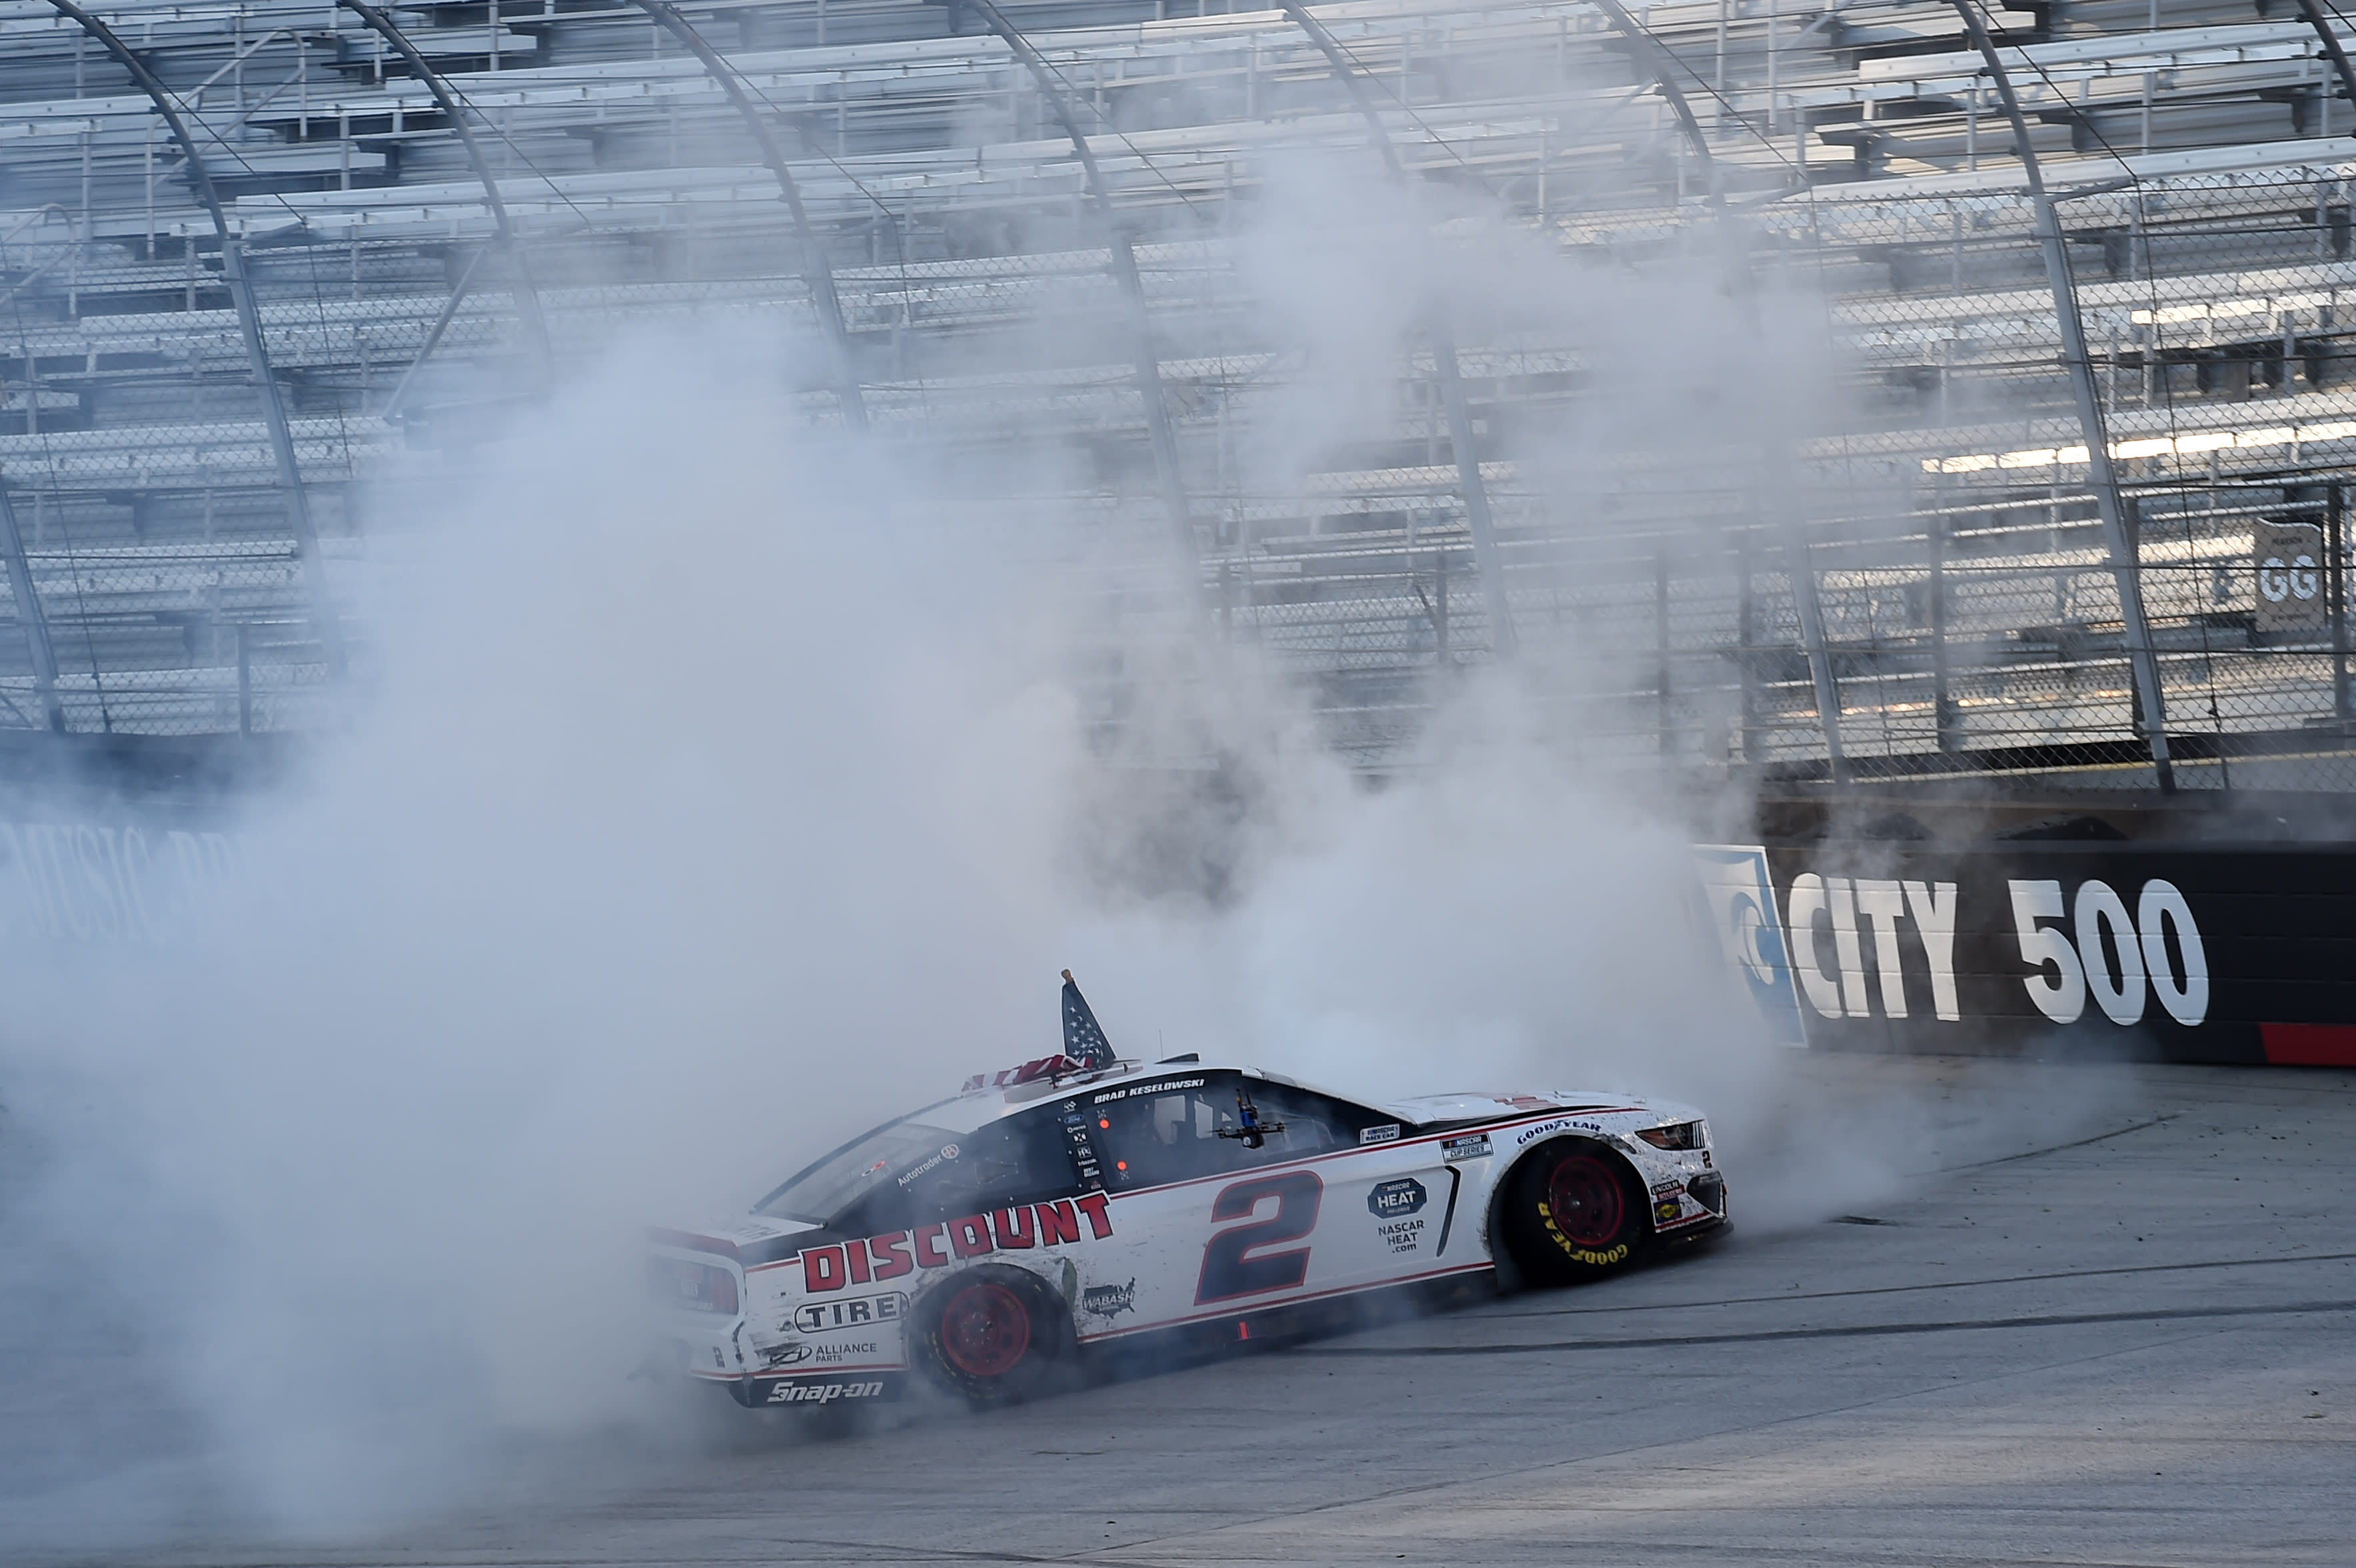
{"x": 2290, "y": 585}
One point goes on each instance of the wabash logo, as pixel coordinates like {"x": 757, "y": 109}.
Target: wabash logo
{"x": 938, "y": 1246}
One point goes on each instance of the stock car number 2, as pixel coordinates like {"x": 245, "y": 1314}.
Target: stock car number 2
{"x": 1234, "y": 1263}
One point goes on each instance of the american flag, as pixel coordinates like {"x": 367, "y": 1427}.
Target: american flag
{"x": 1084, "y": 1037}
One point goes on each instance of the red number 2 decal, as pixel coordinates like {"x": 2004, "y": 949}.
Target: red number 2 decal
{"x": 1228, "y": 1272}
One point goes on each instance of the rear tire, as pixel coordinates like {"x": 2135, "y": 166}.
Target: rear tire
{"x": 1573, "y": 1211}
{"x": 993, "y": 1335}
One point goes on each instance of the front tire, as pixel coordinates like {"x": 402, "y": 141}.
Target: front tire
{"x": 1573, "y": 1212}
{"x": 993, "y": 1335}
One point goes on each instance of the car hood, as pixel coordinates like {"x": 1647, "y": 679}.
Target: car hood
{"x": 1430, "y": 1108}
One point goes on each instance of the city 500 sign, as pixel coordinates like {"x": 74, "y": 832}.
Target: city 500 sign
{"x": 2120, "y": 962}
{"x": 2121, "y": 959}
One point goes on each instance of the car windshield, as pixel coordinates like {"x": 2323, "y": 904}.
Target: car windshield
{"x": 891, "y": 1154}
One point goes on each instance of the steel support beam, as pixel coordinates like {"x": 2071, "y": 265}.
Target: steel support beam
{"x": 527, "y": 298}
{"x": 31, "y": 617}
{"x": 434, "y": 335}
{"x": 817, "y": 274}
{"x": 248, "y": 319}
{"x": 1124, "y": 273}
{"x": 2125, "y": 564}
{"x": 1478, "y": 518}
{"x": 1338, "y": 61}
{"x": 1662, "y": 66}
{"x": 1806, "y": 601}
{"x": 2339, "y": 56}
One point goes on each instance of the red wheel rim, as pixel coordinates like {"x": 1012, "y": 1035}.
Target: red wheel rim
{"x": 985, "y": 1330}
{"x": 1584, "y": 1200}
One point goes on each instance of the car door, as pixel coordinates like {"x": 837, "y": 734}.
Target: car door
{"x": 1217, "y": 1220}
{"x": 1390, "y": 1198}
{"x": 1390, "y": 1209}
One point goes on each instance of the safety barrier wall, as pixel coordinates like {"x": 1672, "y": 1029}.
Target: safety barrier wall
{"x": 2224, "y": 952}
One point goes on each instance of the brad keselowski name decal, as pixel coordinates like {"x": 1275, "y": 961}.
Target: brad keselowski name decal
{"x": 1142, "y": 1090}
{"x": 939, "y": 1245}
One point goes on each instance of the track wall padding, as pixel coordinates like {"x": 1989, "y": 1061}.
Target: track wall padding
{"x": 2215, "y": 954}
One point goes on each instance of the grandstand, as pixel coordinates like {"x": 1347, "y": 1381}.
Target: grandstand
{"x": 278, "y": 274}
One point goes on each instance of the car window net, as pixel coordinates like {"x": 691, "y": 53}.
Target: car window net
{"x": 1175, "y": 1136}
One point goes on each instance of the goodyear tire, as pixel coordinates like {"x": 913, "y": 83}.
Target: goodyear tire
{"x": 993, "y": 1335}
{"x": 1573, "y": 1211}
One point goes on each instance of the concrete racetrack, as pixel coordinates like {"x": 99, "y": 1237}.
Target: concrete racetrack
{"x": 2104, "y": 1327}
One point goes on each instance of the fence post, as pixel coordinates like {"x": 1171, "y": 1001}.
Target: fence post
{"x": 1474, "y": 490}
{"x": 1943, "y": 703}
{"x": 2335, "y": 551}
{"x": 1822, "y": 676}
{"x": 1746, "y": 642}
{"x": 245, "y": 677}
{"x": 31, "y": 617}
{"x": 1661, "y": 643}
{"x": 1440, "y": 596}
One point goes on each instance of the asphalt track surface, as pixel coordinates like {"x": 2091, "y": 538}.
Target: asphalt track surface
{"x": 2107, "y": 1321}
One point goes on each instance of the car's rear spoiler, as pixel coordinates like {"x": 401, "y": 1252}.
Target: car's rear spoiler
{"x": 691, "y": 1241}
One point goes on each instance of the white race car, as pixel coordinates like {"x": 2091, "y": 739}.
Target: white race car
{"x": 1085, "y": 1200}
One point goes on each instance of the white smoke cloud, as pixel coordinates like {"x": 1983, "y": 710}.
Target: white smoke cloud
{"x": 721, "y": 792}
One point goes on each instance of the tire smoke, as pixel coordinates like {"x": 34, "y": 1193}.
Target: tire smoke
{"x": 722, "y": 789}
